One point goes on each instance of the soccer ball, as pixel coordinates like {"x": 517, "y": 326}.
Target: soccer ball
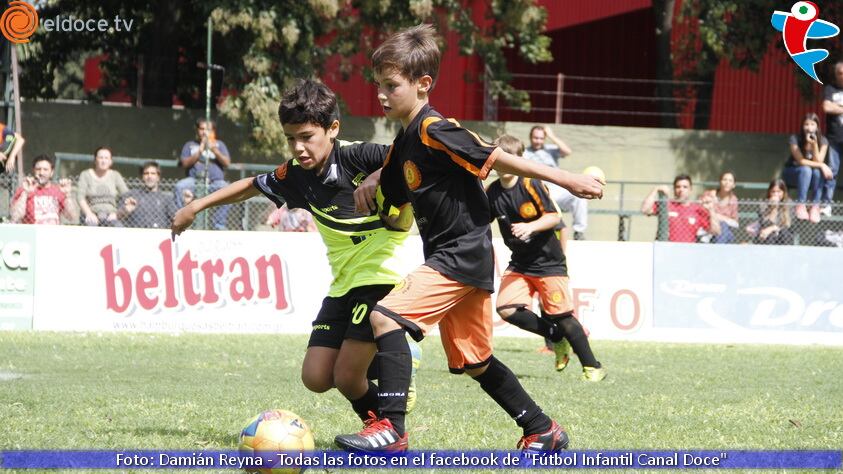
{"x": 271, "y": 432}
{"x": 596, "y": 172}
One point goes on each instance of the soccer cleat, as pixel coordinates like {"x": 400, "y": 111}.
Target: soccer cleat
{"x": 554, "y": 439}
{"x": 416, "y": 353}
{"x": 593, "y": 374}
{"x": 562, "y": 349}
{"x": 377, "y": 436}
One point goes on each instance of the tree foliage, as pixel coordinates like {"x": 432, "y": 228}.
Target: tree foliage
{"x": 737, "y": 31}
{"x": 266, "y": 44}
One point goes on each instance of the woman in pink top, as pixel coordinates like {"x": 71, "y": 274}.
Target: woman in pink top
{"x": 726, "y": 209}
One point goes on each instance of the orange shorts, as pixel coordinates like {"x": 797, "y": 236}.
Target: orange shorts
{"x": 426, "y": 298}
{"x": 518, "y": 289}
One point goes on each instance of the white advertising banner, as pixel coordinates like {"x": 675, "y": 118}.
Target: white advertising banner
{"x": 611, "y": 286}
{"x": 105, "y": 279}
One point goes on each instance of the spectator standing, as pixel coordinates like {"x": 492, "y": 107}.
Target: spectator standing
{"x": 11, "y": 144}
{"x": 194, "y": 154}
{"x": 685, "y": 218}
{"x": 148, "y": 207}
{"x": 773, "y": 224}
{"x": 40, "y": 201}
{"x": 726, "y": 208}
{"x": 549, "y": 154}
{"x": 806, "y": 169}
{"x": 833, "y": 108}
{"x": 98, "y": 190}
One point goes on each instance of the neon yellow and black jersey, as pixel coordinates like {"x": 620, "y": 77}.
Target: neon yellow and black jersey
{"x": 361, "y": 251}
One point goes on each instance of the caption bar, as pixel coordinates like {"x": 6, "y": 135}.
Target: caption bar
{"x": 727, "y": 459}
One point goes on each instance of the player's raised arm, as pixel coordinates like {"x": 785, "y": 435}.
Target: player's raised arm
{"x": 238, "y": 191}
{"x": 580, "y": 185}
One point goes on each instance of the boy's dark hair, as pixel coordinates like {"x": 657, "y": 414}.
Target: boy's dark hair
{"x": 309, "y": 101}
{"x": 150, "y": 164}
{"x": 413, "y": 53}
{"x": 49, "y": 159}
{"x": 683, "y": 177}
{"x": 510, "y": 144}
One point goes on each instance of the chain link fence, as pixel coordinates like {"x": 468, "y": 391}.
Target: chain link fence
{"x": 142, "y": 208}
{"x": 757, "y": 221}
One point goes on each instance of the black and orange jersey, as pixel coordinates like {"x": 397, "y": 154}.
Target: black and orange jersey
{"x": 527, "y": 201}
{"x": 437, "y": 166}
{"x": 361, "y": 250}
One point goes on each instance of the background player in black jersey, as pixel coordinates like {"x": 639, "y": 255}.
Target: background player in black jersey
{"x": 325, "y": 177}
{"x": 527, "y": 217}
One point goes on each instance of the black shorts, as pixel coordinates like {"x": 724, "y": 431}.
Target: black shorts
{"x": 347, "y": 317}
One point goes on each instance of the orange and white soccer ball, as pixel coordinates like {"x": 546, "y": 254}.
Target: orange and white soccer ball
{"x": 272, "y": 432}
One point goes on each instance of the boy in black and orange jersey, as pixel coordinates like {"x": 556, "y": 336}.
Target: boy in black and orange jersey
{"x": 527, "y": 217}
{"x": 436, "y": 165}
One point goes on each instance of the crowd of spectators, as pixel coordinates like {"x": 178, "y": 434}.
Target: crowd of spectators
{"x": 102, "y": 198}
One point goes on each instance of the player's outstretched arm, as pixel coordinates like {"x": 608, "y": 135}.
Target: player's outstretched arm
{"x": 580, "y": 185}
{"x": 237, "y": 191}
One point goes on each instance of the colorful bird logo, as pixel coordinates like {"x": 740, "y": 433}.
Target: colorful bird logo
{"x": 797, "y": 27}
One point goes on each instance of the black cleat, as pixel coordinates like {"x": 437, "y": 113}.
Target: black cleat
{"x": 377, "y": 436}
{"x": 554, "y": 439}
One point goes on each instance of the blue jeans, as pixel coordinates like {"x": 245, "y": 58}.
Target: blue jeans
{"x": 726, "y": 236}
{"x": 835, "y": 149}
{"x": 219, "y": 216}
{"x": 803, "y": 178}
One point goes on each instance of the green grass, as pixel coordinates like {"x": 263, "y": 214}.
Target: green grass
{"x": 123, "y": 391}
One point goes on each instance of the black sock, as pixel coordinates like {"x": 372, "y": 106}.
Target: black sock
{"x": 372, "y": 371}
{"x": 530, "y": 322}
{"x": 368, "y": 402}
{"x": 505, "y": 389}
{"x": 579, "y": 341}
{"x": 395, "y": 366}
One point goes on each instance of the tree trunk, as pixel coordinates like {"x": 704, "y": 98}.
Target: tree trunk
{"x": 161, "y": 56}
{"x": 663, "y": 11}
{"x": 705, "y": 91}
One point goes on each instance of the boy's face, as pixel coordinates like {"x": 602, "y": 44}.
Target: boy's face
{"x": 399, "y": 96}
{"x": 310, "y": 143}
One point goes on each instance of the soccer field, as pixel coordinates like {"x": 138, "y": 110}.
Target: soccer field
{"x": 195, "y": 392}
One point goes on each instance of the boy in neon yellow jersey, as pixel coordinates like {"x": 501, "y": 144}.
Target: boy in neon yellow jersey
{"x": 327, "y": 177}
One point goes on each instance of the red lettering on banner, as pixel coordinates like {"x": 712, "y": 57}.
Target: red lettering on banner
{"x": 636, "y": 311}
{"x": 263, "y": 264}
{"x": 244, "y": 279}
{"x": 166, "y": 249}
{"x": 583, "y": 298}
{"x": 209, "y": 270}
{"x": 147, "y": 279}
{"x": 186, "y": 266}
{"x": 110, "y": 285}
{"x": 209, "y": 289}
